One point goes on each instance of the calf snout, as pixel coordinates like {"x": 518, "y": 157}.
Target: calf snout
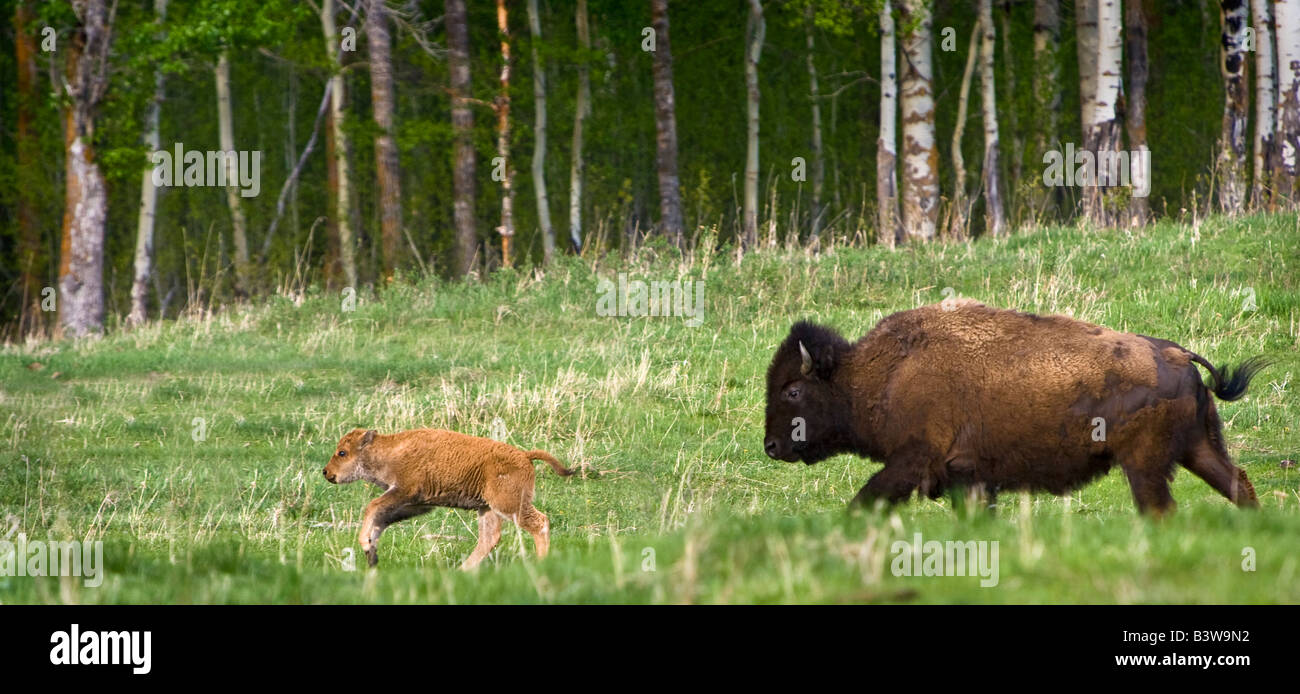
{"x": 769, "y": 446}
{"x": 329, "y": 475}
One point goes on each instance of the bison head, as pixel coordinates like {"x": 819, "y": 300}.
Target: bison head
{"x": 808, "y": 414}
{"x": 349, "y": 457}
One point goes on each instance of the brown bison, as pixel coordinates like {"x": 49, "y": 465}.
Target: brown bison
{"x": 965, "y": 395}
{"x": 421, "y": 469}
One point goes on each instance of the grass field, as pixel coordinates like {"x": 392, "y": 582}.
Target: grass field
{"x": 99, "y": 437}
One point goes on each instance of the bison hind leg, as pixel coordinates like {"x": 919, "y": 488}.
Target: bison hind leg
{"x": 1212, "y": 464}
{"x": 1150, "y": 485}
{"x": 894, "y": 484}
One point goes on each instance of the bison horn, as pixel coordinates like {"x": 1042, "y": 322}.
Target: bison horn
{"x": 807, "y": 366}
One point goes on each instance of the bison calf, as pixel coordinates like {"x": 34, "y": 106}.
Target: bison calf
{"x": 424, "y": 468}
{"x": 973, "y": 396}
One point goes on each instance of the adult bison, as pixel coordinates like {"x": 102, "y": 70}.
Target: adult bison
{"x": 965, "y": 395}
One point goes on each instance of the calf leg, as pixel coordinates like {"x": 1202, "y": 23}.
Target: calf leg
{"x": 489, "y": 534}
{"x": 383, "y": 511}
{"x": 1214, "y": 466}
{"x": 891, "y": 485}
{"x": 536, "y": 523}
{"x": 1150, "y": 485}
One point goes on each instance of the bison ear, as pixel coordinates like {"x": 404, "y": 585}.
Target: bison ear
{"x": 819, "y": 362}
{"x": 366, "y": 438}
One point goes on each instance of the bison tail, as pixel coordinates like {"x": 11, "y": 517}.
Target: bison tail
{"x": 1230, "y": 384}
{"x": 550, "y": 459}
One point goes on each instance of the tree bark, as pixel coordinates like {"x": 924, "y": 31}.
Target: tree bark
{"x": 1233, "y": 16}
{"x": 581, "y": 109}
{"x": 342, "y": 157}
{"x": 388, "y": 173}
{"x": 670, "y": 197}
{"x": 462, "y": 125}
{"x": 502, "y": 107}
{"x": 226, "y": 128}
{"x": 1135, "y": 25}
{"x": 994, "y": 216}
{"x": 539, "y": 137}
{"x": 888, "y": 231}
{"x": 957, "y": 215}
{"x": 1047, "y": 89}
{"x": 1265, "y": 103}
{"x": 756, "y": 27}
{"x": 920, "y": 147}
{"x": 148, "y": 195}
{"x": 1286, "y": 14}
{"x": 1100, "y": 63}
{"x": 85, "y": 211}
{"x": 818, "y": 160}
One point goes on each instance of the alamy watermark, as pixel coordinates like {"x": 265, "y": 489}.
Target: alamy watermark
{"x": 676, "y": 298}
{"x": 24, "y": 557}
{"x": 952, "y": 558}
{"x": 195, "y": 168}
{"x": 1085, "y": 168}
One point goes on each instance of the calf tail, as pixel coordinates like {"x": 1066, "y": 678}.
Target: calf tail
{"x": 550, "y": 459}
{"x": 1230, "y": 384}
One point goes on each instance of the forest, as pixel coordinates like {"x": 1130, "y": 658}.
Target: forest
{"x": 161, "y": 157}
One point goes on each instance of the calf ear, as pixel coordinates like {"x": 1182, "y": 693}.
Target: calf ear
{"x": 366, "y": 438}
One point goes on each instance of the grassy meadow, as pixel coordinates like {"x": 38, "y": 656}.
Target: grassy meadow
{"x": 193, "y": 449}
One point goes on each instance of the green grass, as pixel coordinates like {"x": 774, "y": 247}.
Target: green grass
{"x": 97, "y": 441}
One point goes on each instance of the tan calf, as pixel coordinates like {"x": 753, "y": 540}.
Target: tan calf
{"x": 424, "y": 468}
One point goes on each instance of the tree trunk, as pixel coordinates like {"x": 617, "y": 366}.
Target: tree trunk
{"x": 920, "y": 147}
{"x": 1265, "y": 102}
{"x": 888, "y": 230}
{"x": 502, "y": 106}
{"x": 994, "y": 216}
{"x": 1135, "y": 24}
{"x": 388, "y": 173}
{"x": 1047, "y": 89}
{"x": 1100, "y": 63}
{"x": 226, "y": 128}
{"x": 754, "y": 32}
{"x": 957, "y": 214}
{"x": 1233, "y": 15}
{"x": 462, "y": 125}
{"x": 539, "y": 137}
{"x": 582, "y": 107}
{"x": 1286, "y": 14}
{"x": 670, "y": 197}
{"x": 30, "y": 259}
{"x": 818, "y": 161}
{"x": 342, "y": 159}
{"x": 85, "y": 211}
{"x": 148, "y": 195}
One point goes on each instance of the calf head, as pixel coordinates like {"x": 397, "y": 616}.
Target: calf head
{"x": 809, "y": 416}
{"x": 350, "y": 456}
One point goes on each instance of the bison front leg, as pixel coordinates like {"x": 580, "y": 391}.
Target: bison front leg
{"x": 890, "y": 486}
{"x": 382, "y": 512}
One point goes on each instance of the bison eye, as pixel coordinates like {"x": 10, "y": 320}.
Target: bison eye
{"x": 792, "y": 394}
{"x": 343, "y": 454}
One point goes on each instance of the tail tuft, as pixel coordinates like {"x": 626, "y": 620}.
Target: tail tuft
{"x": 1230, "y": 384}
{"x": 551, "y": 460}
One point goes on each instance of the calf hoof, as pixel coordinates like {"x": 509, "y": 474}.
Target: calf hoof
{"x": 372, "y": 557}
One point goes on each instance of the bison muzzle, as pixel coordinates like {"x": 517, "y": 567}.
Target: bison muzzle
{"x": 968, "y": 396}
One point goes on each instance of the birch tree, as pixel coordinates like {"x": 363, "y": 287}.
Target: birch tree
{"x": 462, "y": 125}
{"x": 85, "y": 210}
{"x": 502, "y": 107}
{"x": 148, "y": 194}
{"x": 1233, "y": 16}
{"x": 959, "y": 209}
{"x": 226, "y": 136}
{"x": 670, "y": 197}
{"x": 1100, "y": 43}
{"x": 920, "y": 147}
{"x": 1286, "y": 22}
{"x": 341, "y": 161}
{"x": 1265, "y": 102}
{"x": 581, "y": 109}
{"x": 995, "y": 218}
{"x": 888, "y": 230}
{"x": 388, "y": 173}
{"x": 539, "y": 137}
{"x": 755, "y": 29}
{"x": 1135, "y": 27}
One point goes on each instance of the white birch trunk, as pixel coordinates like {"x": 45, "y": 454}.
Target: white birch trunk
{"x": 1233, "y": 15}
{"x": 539, "y": 137}
{"x": 920, "y": 147}
{"x": 341, "y": 163}
{"x": 226, "y": 132}
{"x": 1265, "y": 100}
{"x": 755, "y": 30}
{"x": 148, "y": 196}
{"x": 581, "y": 109}
{"x": 995, "y": 219}
{"x": 887, "y": 229}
